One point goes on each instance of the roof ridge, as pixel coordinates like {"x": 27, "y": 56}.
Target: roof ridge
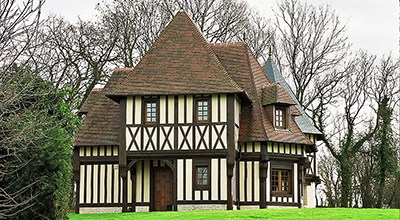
{"x": 226, "y": 44}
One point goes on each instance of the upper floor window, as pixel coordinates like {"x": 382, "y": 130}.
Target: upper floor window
{"x": 281, "y": 181}
{"x": 202, "y": 110}
{"x": 150, "y": 112}
{"x": 280, "y": 118}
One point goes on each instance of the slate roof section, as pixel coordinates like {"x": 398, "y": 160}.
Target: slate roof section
{"x": 101, "y": 124}
{"x": 276, "y": 94}
{"x": 255, "y": 124}
{"x": 179, "y": 62}
{"x": 302, "y": 121}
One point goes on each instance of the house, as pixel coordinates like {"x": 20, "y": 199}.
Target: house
{"x": 194, "y": 126}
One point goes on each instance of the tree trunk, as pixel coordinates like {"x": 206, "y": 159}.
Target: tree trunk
{"x": 345, "y": 172}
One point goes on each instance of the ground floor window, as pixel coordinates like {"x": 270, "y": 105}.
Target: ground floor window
{"x": 201, "y": 176}
{"x": 281, "y": 181}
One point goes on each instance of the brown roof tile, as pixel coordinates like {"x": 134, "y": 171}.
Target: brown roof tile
{"x": 90, "y": 101}
{"x": 179, "y": 62}
{"x": 101, "y": 124}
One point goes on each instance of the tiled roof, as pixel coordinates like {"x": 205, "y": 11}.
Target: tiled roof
{"x": 101, "y": 124}
{"x": 179, "y": 62}
{"x": 275, "y": 76}
{"x": 255, "y": 124}
{"x": 90, "y": 101}
{"x": 275, "y": 94}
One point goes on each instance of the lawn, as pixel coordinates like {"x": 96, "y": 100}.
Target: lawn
{"x": 317, "y": 213}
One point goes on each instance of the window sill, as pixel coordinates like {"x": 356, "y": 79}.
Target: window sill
{"x": 282, "y": 129}
{"x": 281, "y": 194}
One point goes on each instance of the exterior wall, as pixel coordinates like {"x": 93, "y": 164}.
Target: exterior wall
{"x": 249, "y": 181}
{"x": 99, "y": 183}
{"x": 282, "y": 157}
{"x": 216, "y": 192}
{"x": 142, "y": 179}
{"x": 194, "y": 207}
{"x": 309, "y": 196}
{"x": 286, "y": 149}
{"x": 100, "y": 210}
{"x": 176, "y": 123}
{"x": 279, "y": 198}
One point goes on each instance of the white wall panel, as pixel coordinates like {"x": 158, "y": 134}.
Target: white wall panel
{"x": 223, "y": 101}
{"x": 189, "y": 109}
{"x": 138, "y": 110}
{"x": 189, "y": 170}
{"x": 224, "y": 180}
{"x": 146, "y": 181}
{"x": 214, "y": 179}
{"x": 180, "y": 180}
{"x": 129, "y": 110}
{"x": 171, "y": 107}
{"x": 214, "y": 108}
{"x": 295, "y": 185}
{"x": 163, "y": 116}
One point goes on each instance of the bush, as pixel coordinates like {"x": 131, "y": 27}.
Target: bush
{"x": 38, "y": 126}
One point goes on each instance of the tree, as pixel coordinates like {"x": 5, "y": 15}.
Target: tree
{"x": 36, "y": 125}
{"x": 385, "y": 88}
{"x": 310, "y": 43}
{"x": 17, "y": 30}
{"x": 36, "y": 138}
{"x": 74, "y": 55}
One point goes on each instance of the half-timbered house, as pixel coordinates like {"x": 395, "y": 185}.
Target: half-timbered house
{"x": 194, "y": 126}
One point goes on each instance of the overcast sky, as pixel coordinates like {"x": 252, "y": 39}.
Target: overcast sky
{"x": 373, "y": 25}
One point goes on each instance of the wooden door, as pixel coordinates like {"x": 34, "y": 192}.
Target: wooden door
{"x": 162, "y": 189}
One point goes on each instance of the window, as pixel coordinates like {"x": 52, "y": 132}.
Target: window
{"x": 281, "y": 181}
{"x": 150, "y": 112}
{"x": 280, "y": 118}
{"x": 202, "y": 110}
{"x": 201, "y": 176}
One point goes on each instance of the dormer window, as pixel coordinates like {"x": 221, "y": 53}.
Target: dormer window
{"x": 280, "y": 118}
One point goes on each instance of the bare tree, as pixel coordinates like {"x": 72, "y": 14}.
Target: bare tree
{"x": 77, "y": 56}
{"x": 311, "y": 42}
{"x": 18, "y": 25}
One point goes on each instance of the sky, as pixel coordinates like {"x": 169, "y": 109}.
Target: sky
{"x": 372, "y": 25}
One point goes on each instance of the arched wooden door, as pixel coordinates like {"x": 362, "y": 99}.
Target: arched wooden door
{"x": 162, "y": 190}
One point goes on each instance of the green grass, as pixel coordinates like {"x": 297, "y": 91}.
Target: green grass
{"x": 317, "y": 213}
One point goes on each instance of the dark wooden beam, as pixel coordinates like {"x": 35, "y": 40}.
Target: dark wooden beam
{"x": 230, "y": 147}
{"x": 263, "y": 175}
